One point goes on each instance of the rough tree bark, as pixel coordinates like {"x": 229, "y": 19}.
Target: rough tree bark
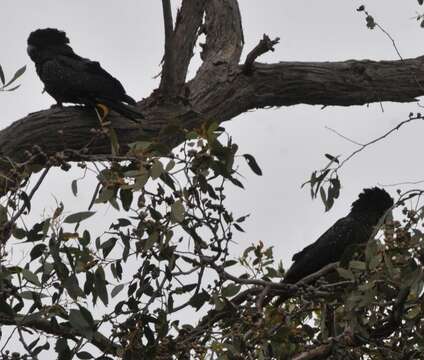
{"x": 223, "y": 88}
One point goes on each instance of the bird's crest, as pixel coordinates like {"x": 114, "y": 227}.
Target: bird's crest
{"x": 47, "y": 37}
{"x": 373, "y": 199}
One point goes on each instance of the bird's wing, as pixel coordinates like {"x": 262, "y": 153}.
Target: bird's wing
{"x": 340, "y": 233}
{"x": 87, "y": 78}
{"x": 327, "y": 249}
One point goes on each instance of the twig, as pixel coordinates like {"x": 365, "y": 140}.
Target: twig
{"x": 316, "y": 275}
{"x": 343, "y": 136}
{"x": 265, "y": 45}
{"x": 31, "y": 194}
{"x": 168, "y": 70}
{"x": 7, "y": 227}
{"x": 25, "y": 345}
{"x": 363, "y": 146}
{"x": 261, "y": 297}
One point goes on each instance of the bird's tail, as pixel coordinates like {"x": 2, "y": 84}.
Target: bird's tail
{"x": 123, "y": 109}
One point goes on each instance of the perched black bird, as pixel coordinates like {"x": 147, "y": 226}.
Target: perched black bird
{"x": 355, "y": 228}
{"x": 69, "y": 78}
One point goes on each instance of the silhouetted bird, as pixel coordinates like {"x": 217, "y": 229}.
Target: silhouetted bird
{"x": 69, "y": 78}
{"x": 355, "y": 228}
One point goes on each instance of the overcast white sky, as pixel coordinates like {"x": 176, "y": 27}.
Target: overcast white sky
{"x": 127, "y": 38}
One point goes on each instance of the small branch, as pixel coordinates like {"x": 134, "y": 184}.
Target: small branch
{"x": 46, "y": 326}
{"x": 344, "y": 137}
{"x": 6, "y": 230}
{"x": 316, "y": 353}
{"x": 316, "y": 275}
{"x": 363, "y": 146}
{"x": 261, "y": 297}
{"x": 168, "y": 70}
{"x": 265, "y": 45}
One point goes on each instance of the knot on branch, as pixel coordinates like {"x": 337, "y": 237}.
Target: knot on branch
{"x": 265, "y": 45}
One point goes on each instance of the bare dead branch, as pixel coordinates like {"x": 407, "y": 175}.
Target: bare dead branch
{"x": 168, "y": 79}
{"x": 224, "y": 33}
{"x": 265, "y": 45}
{"x": 188, "y": 22}
{"x": 219, "y": 93}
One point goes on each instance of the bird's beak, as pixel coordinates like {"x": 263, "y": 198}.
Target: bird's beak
{"x": 30, "y": 50}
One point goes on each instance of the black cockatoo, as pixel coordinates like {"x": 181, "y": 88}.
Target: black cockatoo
{"x": 69, "y": 78}
{"x": 355, "y": 228}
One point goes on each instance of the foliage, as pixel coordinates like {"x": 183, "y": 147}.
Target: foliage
{"x": 6, "y": 84}
{"x": 89, "y": 290}
{"x": 169, "y": 250}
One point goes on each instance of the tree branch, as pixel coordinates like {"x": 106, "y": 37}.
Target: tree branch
{"x": 37, "y": 323}
{"x": 224, "y": 33}
{"x": 189, "y": 20}
{"x": 221, "y": 96}
{"x": 265, "y": 45}
{"x": 168, "y": 79}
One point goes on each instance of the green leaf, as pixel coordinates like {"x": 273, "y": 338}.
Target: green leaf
{"x": 37, "y": 251}
{"x": 31, "y": 277}
{"x": 116, "y": 290}
{"x": 170, "y": 165}
{"x": 19, "y": 233}
{"x": 156, "y": 169}
{"x": 108, "y": 245}
{"x": 78, "y": 217}
{"x": 84, "y": 355}
{"x": 358, "y": 265}
{"x": 74, "y": 187}
{"x": 100, "y": 284}
{"x": 79, "y": 322}
{"x": 2, "y": 75}
{"x": 346, "y": 274}
{"x": 62, "y": 349}
{"x": 126, "y": 196}
{"x": 231, "y": 290}
{"x": 72, "y": 286}
{"x": 253, "y": 164}
{"x": 198, "y": 300}
{"x": 236, "y": 182}
{"x": 3, "y": 215}
{"x": 177, "y": 211}
{"x": 332, "y": 158}
{"x": 18, "y": 73}
{"x": 14, "y": 88}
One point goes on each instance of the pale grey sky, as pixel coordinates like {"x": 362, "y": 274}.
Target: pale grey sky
{"x": 127, "y": 38}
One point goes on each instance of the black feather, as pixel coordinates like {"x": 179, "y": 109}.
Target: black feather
{"x": 70, "y": 78}
{"x": 355, "y": 228}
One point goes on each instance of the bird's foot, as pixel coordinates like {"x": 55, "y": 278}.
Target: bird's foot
{"x": 102, "y": 112}
{"x": 57, "y": 106}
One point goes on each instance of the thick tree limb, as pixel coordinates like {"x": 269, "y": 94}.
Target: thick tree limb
{"x": 220, "y": 95}
{"x": 168, "y": 80}
{"x": 189, "y": 20}
{"x": 224, "y": 41}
